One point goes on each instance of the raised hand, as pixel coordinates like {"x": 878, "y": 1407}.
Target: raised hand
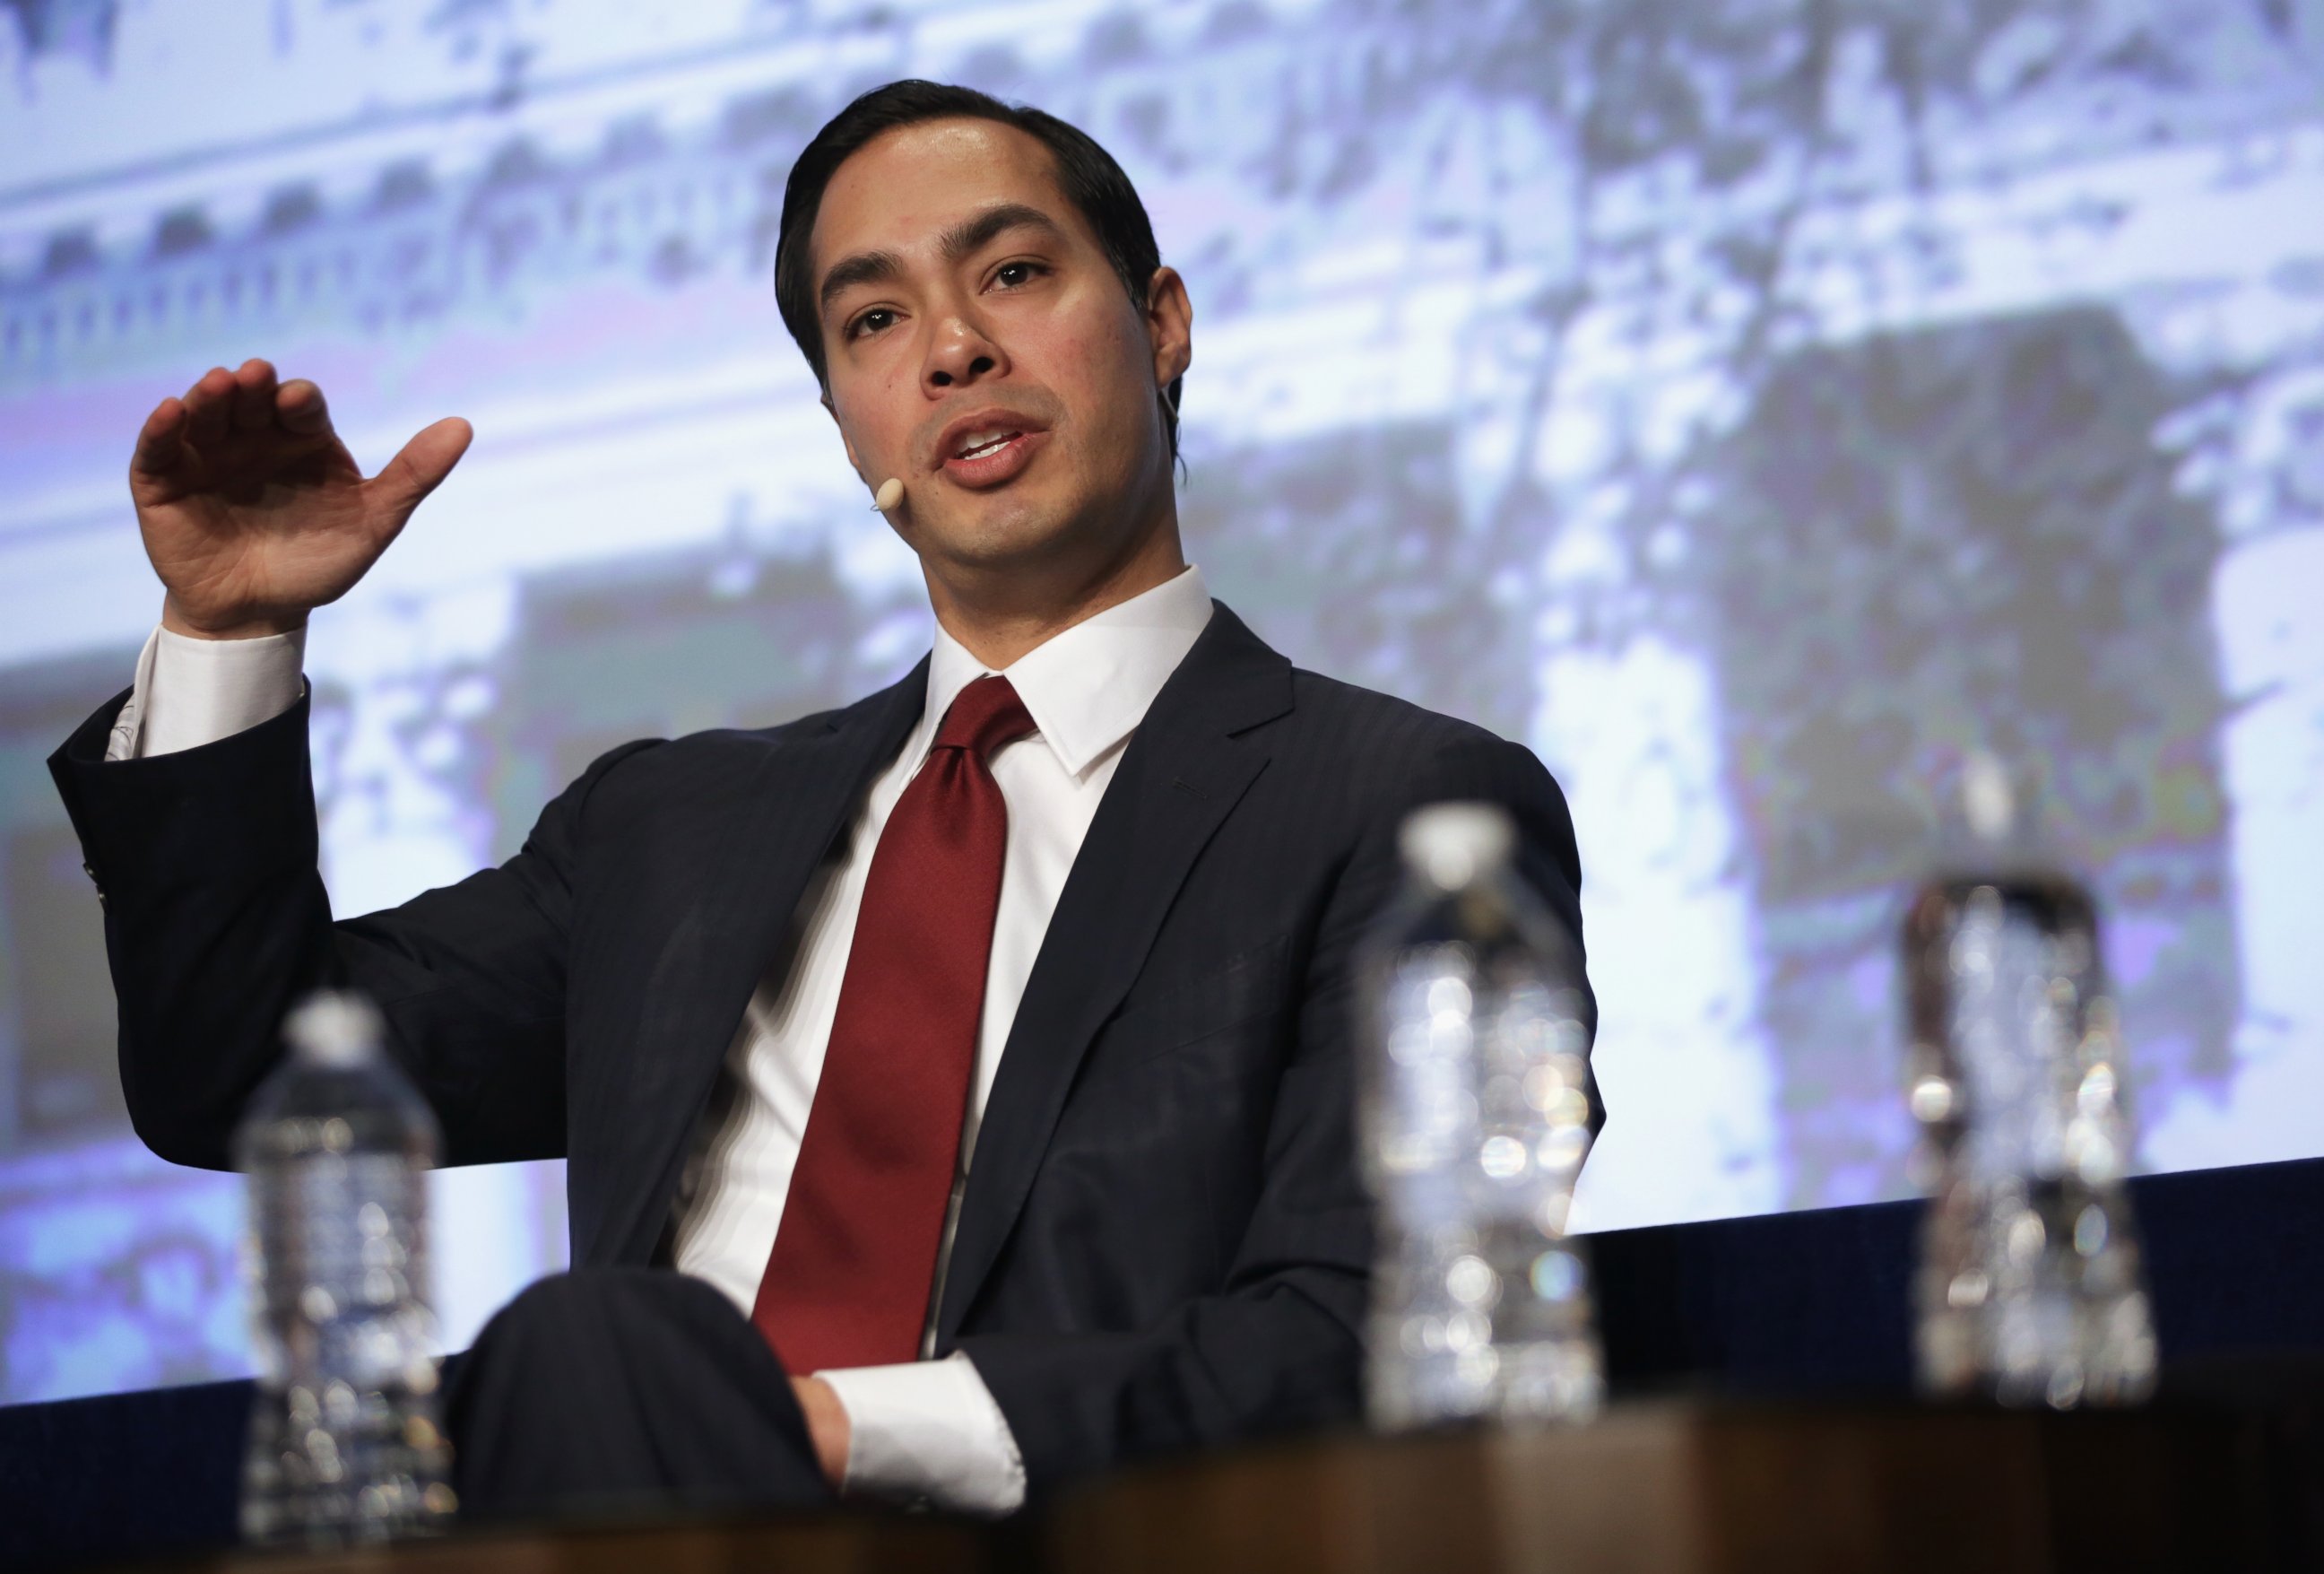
{"x": 254, "y": 513}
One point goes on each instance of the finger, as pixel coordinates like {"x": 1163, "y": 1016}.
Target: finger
{"x": 253, "y": 396}
{"x": 419, "y": 469}
{"x": 208, "y": 405}
{"x": 162, "y": 440}
{"x": 300, "y": 408}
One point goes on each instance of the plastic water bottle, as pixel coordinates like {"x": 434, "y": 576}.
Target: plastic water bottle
{"x": 1475, "y": 1116}
{"x": 2029, "y": 1288}
{"x": 345, "y": 1444}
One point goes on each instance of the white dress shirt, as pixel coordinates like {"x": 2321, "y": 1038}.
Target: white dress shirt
{"x": 925, "y": 1431}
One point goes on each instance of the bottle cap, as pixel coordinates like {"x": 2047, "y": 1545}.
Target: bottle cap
{"x": 333, "y": 1027}
{"x": 1989, "y": 798}
{"x": 1989, "y": 815}
{"x": 1449, "y": 844}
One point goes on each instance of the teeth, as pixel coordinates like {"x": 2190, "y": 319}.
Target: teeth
{"x": 976, "y": 443}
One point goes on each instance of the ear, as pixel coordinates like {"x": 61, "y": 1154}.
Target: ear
{"x": 1170, "y": 324}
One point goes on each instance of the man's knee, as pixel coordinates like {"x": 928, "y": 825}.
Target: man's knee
{"x": 563, "y": 1346}
{"x": 605, "y": 1384}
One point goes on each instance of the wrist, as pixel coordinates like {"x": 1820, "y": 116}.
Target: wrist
{"x": 827, "y": 1427}
{"x": 238, "y": 626}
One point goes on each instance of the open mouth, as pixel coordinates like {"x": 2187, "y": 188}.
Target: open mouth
{"x": 992, "y": 449}
{"x": 978, "y": 445}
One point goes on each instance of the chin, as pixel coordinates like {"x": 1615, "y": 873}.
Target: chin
{"x": 1000, "y": 531}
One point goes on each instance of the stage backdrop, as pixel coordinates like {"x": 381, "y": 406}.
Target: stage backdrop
{"x": 1750, "y": 406}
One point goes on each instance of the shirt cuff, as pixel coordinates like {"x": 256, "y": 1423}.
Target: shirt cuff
{"x": 194, "y": 692}
{"x": 929, "y": 1434}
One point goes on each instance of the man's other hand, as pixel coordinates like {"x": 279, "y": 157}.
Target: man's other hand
{"x": 252, "y": 511}
{"x": 827, "y": 1423}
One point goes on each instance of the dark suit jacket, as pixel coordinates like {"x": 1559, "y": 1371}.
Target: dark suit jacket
{"x": 1164, "y": 1241}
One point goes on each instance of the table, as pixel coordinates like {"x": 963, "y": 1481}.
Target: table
{"x": 1661, "y": 1488}
{"x": 1721, "y": 1488}
{"x": 1785, "y": 1306}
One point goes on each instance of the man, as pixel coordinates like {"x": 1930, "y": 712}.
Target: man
{"x": 979, "y": 1054}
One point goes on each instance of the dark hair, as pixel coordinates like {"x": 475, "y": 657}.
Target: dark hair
{"x": 1086, "y": 174}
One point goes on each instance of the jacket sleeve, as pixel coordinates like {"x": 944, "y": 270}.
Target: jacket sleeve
{"x": 217, "y": 921}
{"x": 1280, "y": 1347}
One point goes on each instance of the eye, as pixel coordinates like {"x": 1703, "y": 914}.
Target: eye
{"x": 876, "y": 320}
{"x": 1016, "y": 276}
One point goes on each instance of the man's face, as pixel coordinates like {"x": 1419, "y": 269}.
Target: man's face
{"x": 981, "y": 348}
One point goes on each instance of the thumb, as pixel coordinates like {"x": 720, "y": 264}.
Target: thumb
{"x": 419, "y": 469}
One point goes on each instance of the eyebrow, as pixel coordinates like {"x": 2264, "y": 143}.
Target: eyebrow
{"x": 970, "y": 235}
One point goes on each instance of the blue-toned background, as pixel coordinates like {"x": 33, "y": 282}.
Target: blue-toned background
{"x": 1751, "y": 406}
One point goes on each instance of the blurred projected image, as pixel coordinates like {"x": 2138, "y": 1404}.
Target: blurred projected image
{"x": 1754, "y": 407}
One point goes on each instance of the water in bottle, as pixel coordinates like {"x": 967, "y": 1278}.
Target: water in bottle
{"x": 2029, "y": 1288}
{"x": 344, "y": 1444}
{"x": 1474, "y": 1118}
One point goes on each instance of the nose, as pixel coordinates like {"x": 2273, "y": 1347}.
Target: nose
{"x": 959, "y": 354}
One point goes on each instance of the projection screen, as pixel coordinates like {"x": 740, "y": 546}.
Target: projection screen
{"x": 1752, "y": 407}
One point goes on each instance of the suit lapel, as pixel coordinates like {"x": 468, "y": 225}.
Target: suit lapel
{"x": 759, "y": 844}
{"x": 1183, "y": 771}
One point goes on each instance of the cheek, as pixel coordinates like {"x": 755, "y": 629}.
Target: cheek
{"x": 1100, "y": 365}
{"x": 877, "y": 413}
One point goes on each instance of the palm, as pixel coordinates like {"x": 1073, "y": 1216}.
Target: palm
{"x": 258, "y": 522}
{"x": 252, "y": 510}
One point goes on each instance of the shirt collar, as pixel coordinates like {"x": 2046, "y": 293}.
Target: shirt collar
{"x": 1088, "y": 687}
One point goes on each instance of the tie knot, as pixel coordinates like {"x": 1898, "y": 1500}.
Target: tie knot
{"x": 984, "y": 715}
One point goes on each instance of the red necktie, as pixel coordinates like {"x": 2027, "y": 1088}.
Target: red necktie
{"x": 847, "y": 1282}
